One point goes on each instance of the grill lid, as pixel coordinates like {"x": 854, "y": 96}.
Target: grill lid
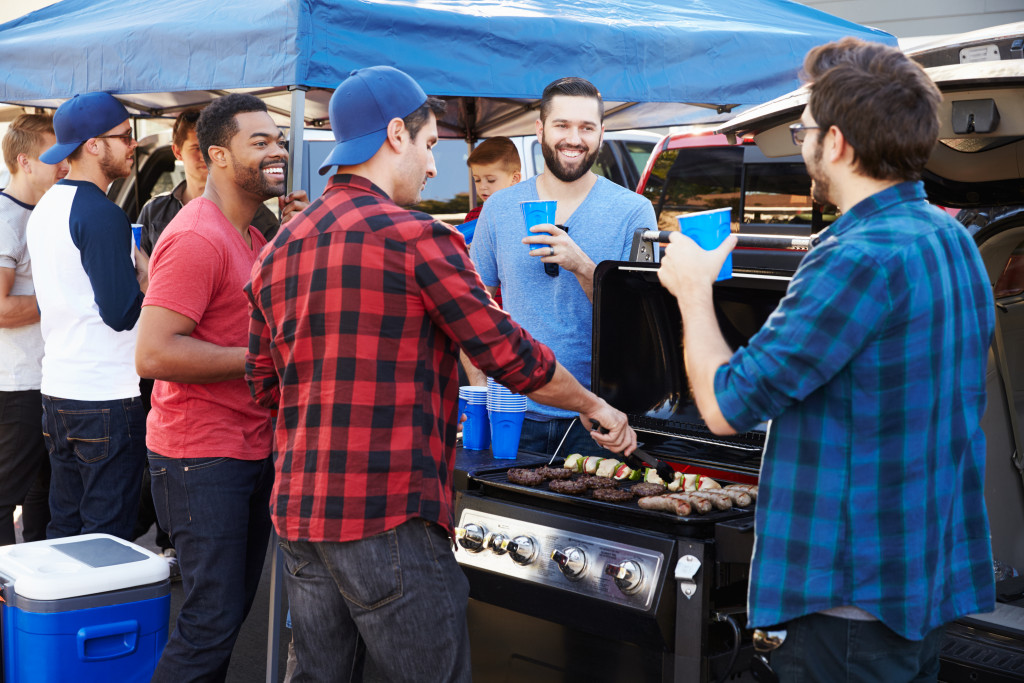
{"x": 638, "y": 363}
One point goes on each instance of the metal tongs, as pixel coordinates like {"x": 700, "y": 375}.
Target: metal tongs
{"x": 640, "y": 458}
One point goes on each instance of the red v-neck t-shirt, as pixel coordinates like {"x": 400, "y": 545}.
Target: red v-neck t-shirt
{"x": 199, "y": 269}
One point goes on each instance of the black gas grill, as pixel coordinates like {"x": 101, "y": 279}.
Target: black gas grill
{"x": 567, "y": 588}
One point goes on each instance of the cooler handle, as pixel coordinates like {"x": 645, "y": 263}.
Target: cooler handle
{"x": 108, "y": 641}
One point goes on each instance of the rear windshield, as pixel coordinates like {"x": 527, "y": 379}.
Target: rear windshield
{"x": 770, "y": 194}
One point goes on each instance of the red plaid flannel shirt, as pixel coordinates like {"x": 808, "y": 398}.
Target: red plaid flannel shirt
{"x": 357, "y": 311}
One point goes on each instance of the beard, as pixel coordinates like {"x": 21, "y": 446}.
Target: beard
{"x": 114, "y": 166}
{"x": 821, "y": 186}
{"x": 560, "y": 170}
{"x": 254, "y": 181}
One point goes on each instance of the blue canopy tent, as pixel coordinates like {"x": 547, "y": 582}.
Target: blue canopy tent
{"x": 655, "y": 63}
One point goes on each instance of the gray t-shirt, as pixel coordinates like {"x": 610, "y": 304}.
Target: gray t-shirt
{"x": 555, "y": 310}
{"x": 20, "y": 347}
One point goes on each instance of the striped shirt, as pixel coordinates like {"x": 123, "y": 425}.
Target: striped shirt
{"x": 358, "y": 309}
{"x": 873, "y": 367}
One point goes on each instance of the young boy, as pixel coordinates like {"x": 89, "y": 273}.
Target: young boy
{"x": 494, "y": 165}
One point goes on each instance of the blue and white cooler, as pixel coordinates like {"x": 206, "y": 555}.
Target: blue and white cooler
{"x": 84, "y": 608}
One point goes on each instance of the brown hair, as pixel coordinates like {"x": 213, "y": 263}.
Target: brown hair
{"x": 184, "y": 124}
{"x": 25, "y": 136}
{"x": 883, "y": 102}
{"x": 570, "y": 86}
{"x": 415, "y": 120}
{"x": 496, "y": 150}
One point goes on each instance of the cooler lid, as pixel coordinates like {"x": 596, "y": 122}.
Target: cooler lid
{"x": 638, "y": 363}
{"x": 61, "y": 568}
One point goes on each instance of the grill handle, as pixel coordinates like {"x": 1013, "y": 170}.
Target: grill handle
{"x": 645, "y": 243}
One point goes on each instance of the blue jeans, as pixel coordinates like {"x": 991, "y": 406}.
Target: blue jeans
{"x": 819, "y": 647}
{"x": 399, "y": 595}
{"x": 97, "y": 454}
{"x": 217, "y": 513}
{"x": 544, "y": 437}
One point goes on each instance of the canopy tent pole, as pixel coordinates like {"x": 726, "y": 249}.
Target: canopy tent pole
{"x": 295, "y": 161}
{"x": 469, "y": 171}
{"x": 295, "y": 146}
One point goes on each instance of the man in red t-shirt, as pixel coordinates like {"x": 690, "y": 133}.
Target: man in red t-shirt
{"x": 209, "y": 442}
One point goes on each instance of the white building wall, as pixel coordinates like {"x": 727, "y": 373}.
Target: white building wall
{"x": 910, "y": 18}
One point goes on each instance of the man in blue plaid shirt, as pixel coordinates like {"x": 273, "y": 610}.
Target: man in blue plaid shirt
{"x": 871, "y": 529}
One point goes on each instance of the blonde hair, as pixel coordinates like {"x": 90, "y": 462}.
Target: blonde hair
{"x": 25, "y": 136}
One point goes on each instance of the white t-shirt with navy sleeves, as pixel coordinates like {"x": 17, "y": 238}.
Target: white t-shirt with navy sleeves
{"x": 83, "y": 269}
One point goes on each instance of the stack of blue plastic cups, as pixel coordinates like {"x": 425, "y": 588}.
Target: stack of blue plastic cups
{"x": 476, "y": 432}
{"x": 506, "y": 411}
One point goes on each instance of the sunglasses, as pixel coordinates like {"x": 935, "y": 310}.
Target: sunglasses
{"x": 126, "y": 138}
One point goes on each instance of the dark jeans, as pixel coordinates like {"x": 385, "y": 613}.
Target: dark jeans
{"x": 217, "y": 513}
{"x": 400, "y": 595}
{"x": 147, "y": 512}
{"x": 147, "y": 515}
{"x": 24, "y": 466}
{"x": 825, "y": 649}
{"x": 543, "y": 437}
{"x": 97, "y": 454}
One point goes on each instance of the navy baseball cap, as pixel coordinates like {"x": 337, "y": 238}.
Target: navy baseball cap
{"x": 80, "y": 118}
{"x": 361, "y": 109}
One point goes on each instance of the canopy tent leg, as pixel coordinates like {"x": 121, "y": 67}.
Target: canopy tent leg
{"x": 295, "y": 161}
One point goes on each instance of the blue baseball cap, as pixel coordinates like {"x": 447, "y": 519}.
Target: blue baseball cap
{"x": 361, "y": 109}
{"x": 80, "y": 118}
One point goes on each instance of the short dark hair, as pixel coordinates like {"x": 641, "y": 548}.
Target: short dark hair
{"x": 571, "y": 86}
{"x": 216, "y": 124}
{"x": 416, "y": 120}
{"x": 185, "y": 124}
{"x": 496, "y": 150}
{"x": 882, "y": 101}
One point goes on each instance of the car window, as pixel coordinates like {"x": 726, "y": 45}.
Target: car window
{"x": 639, "y": 152}
{"x": 763, "y": 194}
{"x": 684, "y": 181}
{"x": 446, "y": 195}
{"x": 777, "y": 194}
{"x": 606, "y": 167}
{"x": 159, "y": 173}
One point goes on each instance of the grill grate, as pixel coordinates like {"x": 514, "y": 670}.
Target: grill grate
{"x": 497, "y": 480}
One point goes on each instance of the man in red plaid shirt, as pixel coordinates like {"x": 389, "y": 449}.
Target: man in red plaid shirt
{"x": 358, "y": 311}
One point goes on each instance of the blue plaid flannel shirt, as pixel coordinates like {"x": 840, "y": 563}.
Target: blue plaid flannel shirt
{"x": 873, "y": 369}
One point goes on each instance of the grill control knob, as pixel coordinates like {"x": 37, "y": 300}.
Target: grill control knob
{"x": 628, "y": 576}
{"x": 522, "y": 549}
{"x": 471, "y": 537}
{"x": 494, "y": 542}
{"x": 572, "y": 562}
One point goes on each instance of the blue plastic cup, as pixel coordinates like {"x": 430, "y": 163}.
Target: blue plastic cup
{"x": 137, "y": 234}
{"x": 709, "y": 229}
{"x": 476, "y": 430}
{"x": 462, "y": 408}
{"x": 506, "y": 427}
{"x": 538, "y": 212}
